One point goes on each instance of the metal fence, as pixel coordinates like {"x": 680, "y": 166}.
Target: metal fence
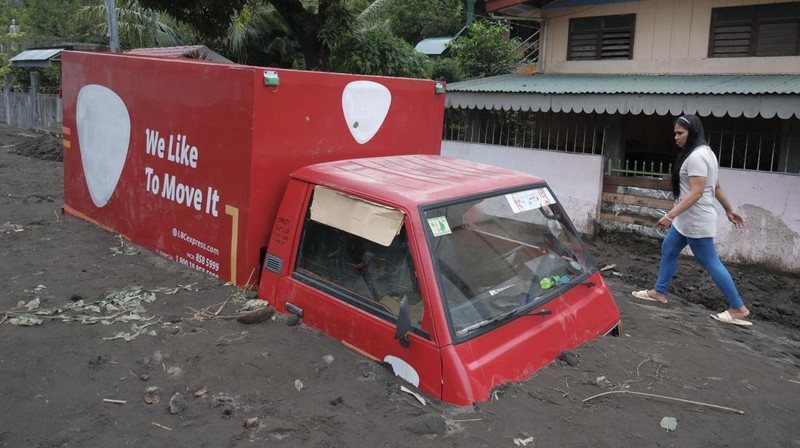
{"x": 751, "y": 151}
{"x": 525, "y": 129}
{"x": 29, "y": 111}
{"x": 630, "y": 167}
{"x": 586, "y": 134}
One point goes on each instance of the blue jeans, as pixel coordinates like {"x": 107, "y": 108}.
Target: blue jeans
{"x": 706, "y": 254}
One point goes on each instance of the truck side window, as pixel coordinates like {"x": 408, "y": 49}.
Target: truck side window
{"x": 374, "y": 276}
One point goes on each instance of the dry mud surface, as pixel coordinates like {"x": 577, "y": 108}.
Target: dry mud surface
{"x": 195, "y": 375}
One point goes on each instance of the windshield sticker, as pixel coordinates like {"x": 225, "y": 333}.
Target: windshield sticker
{"x": 522, "y": 201}
{"x": 499, "y": 290}
{"x": 439, "y": 226}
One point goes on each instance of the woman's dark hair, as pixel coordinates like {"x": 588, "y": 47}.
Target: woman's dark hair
{"x": 695, "y": 138}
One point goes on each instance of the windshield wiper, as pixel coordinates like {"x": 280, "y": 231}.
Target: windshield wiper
{"x": 486, "y": 322}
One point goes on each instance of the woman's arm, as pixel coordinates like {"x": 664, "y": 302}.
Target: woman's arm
{"x": 696, "y": 186}
{"x": 722, "y": 197}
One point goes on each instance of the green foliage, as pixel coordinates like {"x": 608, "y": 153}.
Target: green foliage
{"x": 53, "y": 22}
{"x": 272, "y": 43}
{"x": 355, "y": 36}
{"x": 486, "y": 50}
{"x": 414, "y": 20}
{"x": 12, "y": 10}
{"x": 19, "y": 79}
{"x": 137, "y": 27}
{"x": 50, "y": 79}
{"x": 378, "y": 52}
{"x": 446, "y": 69}
{"x": 209, "y": 18}
{"x": 336, "y": 26}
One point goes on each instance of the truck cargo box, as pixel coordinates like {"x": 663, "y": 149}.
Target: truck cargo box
{"x": 190, "y": 158}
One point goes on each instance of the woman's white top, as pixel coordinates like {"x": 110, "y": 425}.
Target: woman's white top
{"x": 700, "y": 221}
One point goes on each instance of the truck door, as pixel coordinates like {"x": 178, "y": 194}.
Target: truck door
{"x": 353, "y": 266}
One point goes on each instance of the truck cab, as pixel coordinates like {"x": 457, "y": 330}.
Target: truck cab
{"x": 459, "y": 275}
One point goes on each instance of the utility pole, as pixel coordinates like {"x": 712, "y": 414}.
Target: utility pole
{"x": 111, "y": 20}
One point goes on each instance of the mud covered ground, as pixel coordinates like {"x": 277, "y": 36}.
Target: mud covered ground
{"x": 195, "y": 377}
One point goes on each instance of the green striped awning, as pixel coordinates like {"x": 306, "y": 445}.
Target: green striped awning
{"x": 718, "y": 95}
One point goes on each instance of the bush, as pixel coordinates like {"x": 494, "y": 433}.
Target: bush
{"x": 447, "y": 69}
{"x": 486, "y": 50}
{"x": 378, "y": 52}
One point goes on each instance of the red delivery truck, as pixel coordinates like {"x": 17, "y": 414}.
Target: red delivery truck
{"x": 328, "y": 191}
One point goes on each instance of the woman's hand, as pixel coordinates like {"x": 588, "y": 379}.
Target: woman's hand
{"x": 664, "y": 223}
{"x": 735, "y": 218}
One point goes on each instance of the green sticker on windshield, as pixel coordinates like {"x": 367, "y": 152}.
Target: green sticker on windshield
{"x": 439, "y": 226}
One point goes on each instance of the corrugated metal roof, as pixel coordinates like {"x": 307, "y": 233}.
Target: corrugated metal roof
{"x": 433, "y": 45}
{"x": 186, "y": 51}
{"x": 35, "y": 57}
{"x": 555, "y": 84}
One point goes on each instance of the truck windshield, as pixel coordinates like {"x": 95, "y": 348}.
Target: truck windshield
{"x": 503, "y": 255}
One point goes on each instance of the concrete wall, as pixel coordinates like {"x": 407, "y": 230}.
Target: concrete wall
{"x": 576, "y": 179}
{"x": 770, "y": 205}
{"x": 670, "y": 37}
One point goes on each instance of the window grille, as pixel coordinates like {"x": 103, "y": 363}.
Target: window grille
{"x": 597, "y": 38}
{"x": 756, "y": 30}
{"x": 525, "y": 129}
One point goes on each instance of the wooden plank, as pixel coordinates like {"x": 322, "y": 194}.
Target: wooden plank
{"x": 641, "y": 201}
{"x": 629, "y": 219}
{"x": 641, "y": 182}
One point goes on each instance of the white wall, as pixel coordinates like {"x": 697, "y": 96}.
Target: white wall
{"x": 576, "y": 179}
{"x": 770, "y": 205}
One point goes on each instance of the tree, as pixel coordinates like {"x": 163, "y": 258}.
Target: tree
{"x": 209, "y": 18}
{"x": 378, "y": 52}
{"x": 414, "y": 20}
{"x": 138, "y": 26}
{"x": 486, "y": 50}
{"x": 52, "y": 22}
{"x": 41, "y": 23}
{"x": 446, "y": 69}
{"x": 271, "y": 43}
{"x": 316, "y": 25}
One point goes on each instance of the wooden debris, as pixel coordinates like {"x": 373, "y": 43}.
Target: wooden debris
{"x": 724, "y": 408}
{"x": 256, "y": 316}
{"x": 161, "y": 426}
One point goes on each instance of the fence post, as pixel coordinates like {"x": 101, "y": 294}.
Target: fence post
{"x": 34, "y": 99}
{"x": 6, "y": 88}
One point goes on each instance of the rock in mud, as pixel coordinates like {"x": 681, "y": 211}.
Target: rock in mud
{"x": 426, "y": 425}
{"x": 177, "y": 403}
{"x": 292, "y": 320}
{"x": 568, "y": 357}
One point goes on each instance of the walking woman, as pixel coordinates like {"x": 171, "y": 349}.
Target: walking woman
{"x": 693, "y": 220}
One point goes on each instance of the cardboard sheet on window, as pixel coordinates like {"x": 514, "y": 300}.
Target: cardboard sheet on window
{"x": 375, "y": 222}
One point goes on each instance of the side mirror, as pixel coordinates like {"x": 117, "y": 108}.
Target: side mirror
{"x": 403, "y": 323}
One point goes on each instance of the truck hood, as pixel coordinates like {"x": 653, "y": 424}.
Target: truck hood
{"x": 517, "y": 349}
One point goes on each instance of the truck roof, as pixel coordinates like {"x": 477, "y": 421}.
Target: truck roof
{"x": 413, "y": 180}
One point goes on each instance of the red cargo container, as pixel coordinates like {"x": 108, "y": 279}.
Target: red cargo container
{"x": 191, "y": 158}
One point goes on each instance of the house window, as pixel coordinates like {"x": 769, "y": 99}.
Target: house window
{"x": 756, "y": 30}
{"x": 596, "y": 38}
